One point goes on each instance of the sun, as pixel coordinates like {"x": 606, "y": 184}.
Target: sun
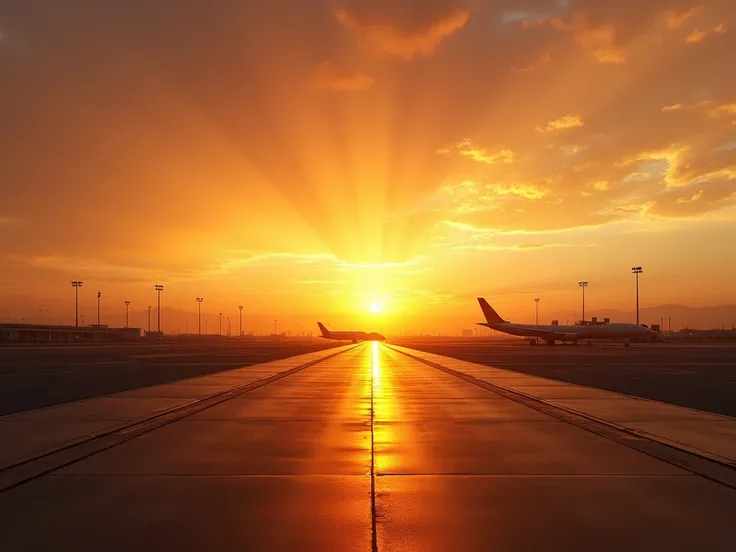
{"x": 376, "y": 306}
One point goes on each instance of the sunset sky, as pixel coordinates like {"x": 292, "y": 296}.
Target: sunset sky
{"x": 307, "y": 159}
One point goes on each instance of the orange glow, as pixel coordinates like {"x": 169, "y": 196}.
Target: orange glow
{"x": 375, "y": 165}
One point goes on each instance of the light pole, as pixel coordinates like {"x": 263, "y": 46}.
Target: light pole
{"x": 583, "y": 285}
{"x": 149, "y": 318}
{"x": 536, "y": 304}
{"x": 76, "y": 284}
{"x": 159, "y": 288}
{"x": 220, "y": 324}
{"x": 274, "y": 326}
{"x": 637, "y": 270}
{"x": 199, "y": 314}
{"x": 240, "y": 308}
{"x": 229, "y": 327}
{"x": 127, "y": 304}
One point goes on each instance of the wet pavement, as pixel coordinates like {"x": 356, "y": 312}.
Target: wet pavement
{"x": 366, "y": 450}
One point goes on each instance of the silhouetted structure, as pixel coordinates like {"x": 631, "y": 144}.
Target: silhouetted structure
{"x": 637, "y": 270}
{"x": 43, "y": 333}
{"x": 583, "y": 285}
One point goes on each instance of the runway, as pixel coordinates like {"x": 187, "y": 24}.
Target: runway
{"x": 701, "y": 376}
{"x": 368, "y": 449}
{"x": 38, "y": 376}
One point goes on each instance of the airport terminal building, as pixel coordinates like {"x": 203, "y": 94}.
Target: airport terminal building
{"x": 40, "y": 333}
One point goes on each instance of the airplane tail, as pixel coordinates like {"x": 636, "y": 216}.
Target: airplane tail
{"x": 325, "y": 331}
{"x": 491, "y": 315}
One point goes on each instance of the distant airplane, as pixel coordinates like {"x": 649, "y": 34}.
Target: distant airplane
{"x": 554, "y": 332}
{"x": 349, "y": 336}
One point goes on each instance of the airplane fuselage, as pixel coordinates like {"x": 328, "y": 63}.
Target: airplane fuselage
{"x": 353, "y": 336}
{"x": 573, "y": 333}
{"x": 349, "y": 336}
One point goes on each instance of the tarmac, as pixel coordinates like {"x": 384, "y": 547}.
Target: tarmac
{"x": 368, "y": 447}
{"x": 37, "y": 376}
{"x": 698, "y": 375}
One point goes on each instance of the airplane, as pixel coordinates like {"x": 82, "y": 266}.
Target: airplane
{"x": 349, "y": 336}
{"x": 551, "y": 333}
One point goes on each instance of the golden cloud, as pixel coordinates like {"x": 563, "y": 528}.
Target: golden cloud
{"x": 696, "y": 36}
{"x": 327, "y": 77}
{"x": 544, "y": 59}
{"x": 527, "y": 191}
{"x": 598, "y": 40}
{"x": 385, "y": 38}
{"x": 712, "y": 109}
{"x": 563, "y": 123}
{"x": 675, "y": 19}
{"x": 478, "y": 154}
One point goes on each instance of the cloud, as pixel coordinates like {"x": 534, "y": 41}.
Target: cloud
{"x": 673, "y": 107}
{"x": 466, "y": 148}
{"x": 695, "y": 197}
{"x": 718, "y": 111}
{"x": 563, "y": 123}
{"x": 597, "y": 39}
{"x": 696, "y": 36}
{"x": 327, "y": 77}
{"x": 711, "y": 108}
{"x": 544, "y": 59}
{"x": 384, "y": 37}
{"x": 527, "y": 191}
{"x": 704, "y": 196}
{"x": 675, "y": 19}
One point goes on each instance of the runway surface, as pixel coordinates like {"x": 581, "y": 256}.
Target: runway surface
{"x": 369, "y": 450}
{"x": 701, "y": 376}
{"x": 35, "y": 377}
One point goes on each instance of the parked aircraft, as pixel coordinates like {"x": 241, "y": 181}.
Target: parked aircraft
{"x": 350, "y": 336}
{"x": 554, "y": 332}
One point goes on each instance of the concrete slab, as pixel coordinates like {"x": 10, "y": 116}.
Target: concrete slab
{"x": 477, "y": 514}
{"x": 623, "y": 409}
{"x": 248, "y": 474}
{"x": 245, "y": 448}
{"x": 286, "y": 409}
{"x": 183, "y": 390}
{"x": 74, "y": 421}
{"x": 715, "y": 434}
{"x": 22, "y": 439}
{"x": 118, "y": 408}
{"x": 550, "y": 447}
{"x": 714, "y": 437}
{"x": 560, "y": 391}
{"x": 494, "y": 409}
{"x": 304, "y": 514}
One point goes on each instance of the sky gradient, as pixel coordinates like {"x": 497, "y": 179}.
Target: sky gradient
{"x": 306, "y": 159}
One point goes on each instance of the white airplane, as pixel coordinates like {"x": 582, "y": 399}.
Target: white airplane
{"x": 551, "y": 333}
{"x": 349, "y": 336}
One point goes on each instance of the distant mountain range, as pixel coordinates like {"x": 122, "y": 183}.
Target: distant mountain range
{"x": 680, "y": 315}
